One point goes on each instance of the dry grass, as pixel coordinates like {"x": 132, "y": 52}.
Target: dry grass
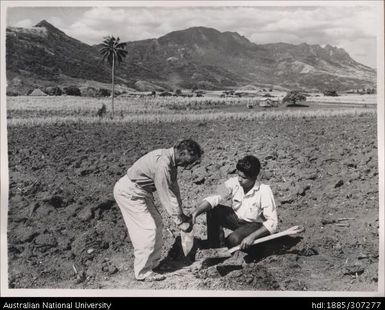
{"x": 351, "y": 99}
{"x": 34, "y": 111}
{"x": 202, "y": 117}
{"x": 78, "y": 105}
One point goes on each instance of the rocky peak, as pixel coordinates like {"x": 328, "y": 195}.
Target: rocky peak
{"x": 49, "y": 27}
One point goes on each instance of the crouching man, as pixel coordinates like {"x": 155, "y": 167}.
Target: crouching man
{"x": 252, "y": 214}
{"x": 155, "y": 171}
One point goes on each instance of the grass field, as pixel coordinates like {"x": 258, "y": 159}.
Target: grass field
{"x": 32, "y": 111}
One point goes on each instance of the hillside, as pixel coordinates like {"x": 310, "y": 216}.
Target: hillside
{"x": 196, "y": 57}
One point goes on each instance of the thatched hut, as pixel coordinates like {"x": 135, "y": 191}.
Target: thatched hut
{"x": 38, "y": 92}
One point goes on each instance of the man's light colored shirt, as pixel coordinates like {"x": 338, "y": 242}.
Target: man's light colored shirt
{"x": 257, "y": 205}
{"x": 157, "y": 171}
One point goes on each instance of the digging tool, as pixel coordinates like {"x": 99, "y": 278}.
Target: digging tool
{"x": 226, "y": 252}
{"x": 187, "y": 240}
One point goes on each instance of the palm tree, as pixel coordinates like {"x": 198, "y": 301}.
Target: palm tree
{"x": 113, "y": 51}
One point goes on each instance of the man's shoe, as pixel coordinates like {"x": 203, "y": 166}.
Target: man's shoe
{"x": 153, "y": 277}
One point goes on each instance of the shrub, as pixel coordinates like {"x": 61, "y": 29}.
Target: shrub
{"x": 12, "y": 93}
{"x": 89, "y": 91}
{"x": 103, "y": 92}
{"x": 331, "y": 93}
{"x": 72, "y": 91}
{"x": 371, "y": 91}
{"x": 293, "y": 97}
{"x": 53, "y": 91}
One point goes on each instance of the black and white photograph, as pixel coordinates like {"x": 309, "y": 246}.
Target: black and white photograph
{"x": 192, "y": 148}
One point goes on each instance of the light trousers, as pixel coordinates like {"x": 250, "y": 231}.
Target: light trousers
{"x": 144, "y": 225}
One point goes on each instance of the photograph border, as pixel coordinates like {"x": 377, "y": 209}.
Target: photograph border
{"x": 5, "y": 291}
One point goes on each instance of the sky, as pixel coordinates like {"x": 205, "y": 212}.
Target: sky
{"x": 352, "y": 27}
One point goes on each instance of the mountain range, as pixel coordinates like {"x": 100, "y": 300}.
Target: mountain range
{"x": 197, "y": 57}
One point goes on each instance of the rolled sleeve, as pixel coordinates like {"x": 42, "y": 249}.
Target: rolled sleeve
{"x": 269, "y": 211}
{"x": 168, "y": 192}
{"x": 213, "y": 200}
{"x": 223, "y": 192}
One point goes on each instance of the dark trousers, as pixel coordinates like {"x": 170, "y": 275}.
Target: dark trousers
{"x": 221, "y": 217}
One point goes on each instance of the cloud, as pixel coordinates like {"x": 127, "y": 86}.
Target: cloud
{"x": 25, "y": 23}
{"x": 311, "y": 24}
{"x": 360, "y": 50}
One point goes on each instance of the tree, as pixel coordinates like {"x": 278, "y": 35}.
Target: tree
{"x": 53, "y": 91}
{"x": 293, "y": 97}
{"x": 331, "y": 93}
{"x": 72, "y": 91}
{"x": 102, "y": 92}
{"x": 113, "y": 51}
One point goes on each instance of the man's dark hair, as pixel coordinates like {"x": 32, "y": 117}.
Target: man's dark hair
{"x": 249, "y": 165}
{"x": 191, "y": 146}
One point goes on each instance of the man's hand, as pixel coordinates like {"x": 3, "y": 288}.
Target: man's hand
{"x": 185, "y": 218}
{"x": 186, "y": 226}
{"x": 186, "y": 222}
{"x": 247, "y": 242}
{"x": 203, "y": 207}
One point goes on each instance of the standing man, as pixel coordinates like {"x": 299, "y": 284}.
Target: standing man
{"x": 155, "y": 171}
{"x": 252, "y": 214}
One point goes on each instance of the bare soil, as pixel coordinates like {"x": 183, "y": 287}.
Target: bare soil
{"x": 66, "y": 231}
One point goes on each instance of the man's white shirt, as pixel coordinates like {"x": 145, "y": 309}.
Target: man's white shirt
{"x": 257, "y": 205}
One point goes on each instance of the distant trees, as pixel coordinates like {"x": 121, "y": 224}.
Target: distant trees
{"x": 113, "y": 51}
{"x": 293, "y": 97}
{"x": 369, "y": 91}
{"x": 72, "y": 91}
{"x": 53, "y": 91}
{"x": 102, "y": 92}
{"x": 12, "y": 93}
{"x": 331, "y": 93}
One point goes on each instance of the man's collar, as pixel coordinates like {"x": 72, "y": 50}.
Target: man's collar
{"x": 255, "y": 188}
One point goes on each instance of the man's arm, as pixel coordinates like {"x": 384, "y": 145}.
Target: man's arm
{"x": 259, "y": 233}
{"x": 223, "y": 191}
{"x": 203, "y": 207}
{"x": 169, "y": 194}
